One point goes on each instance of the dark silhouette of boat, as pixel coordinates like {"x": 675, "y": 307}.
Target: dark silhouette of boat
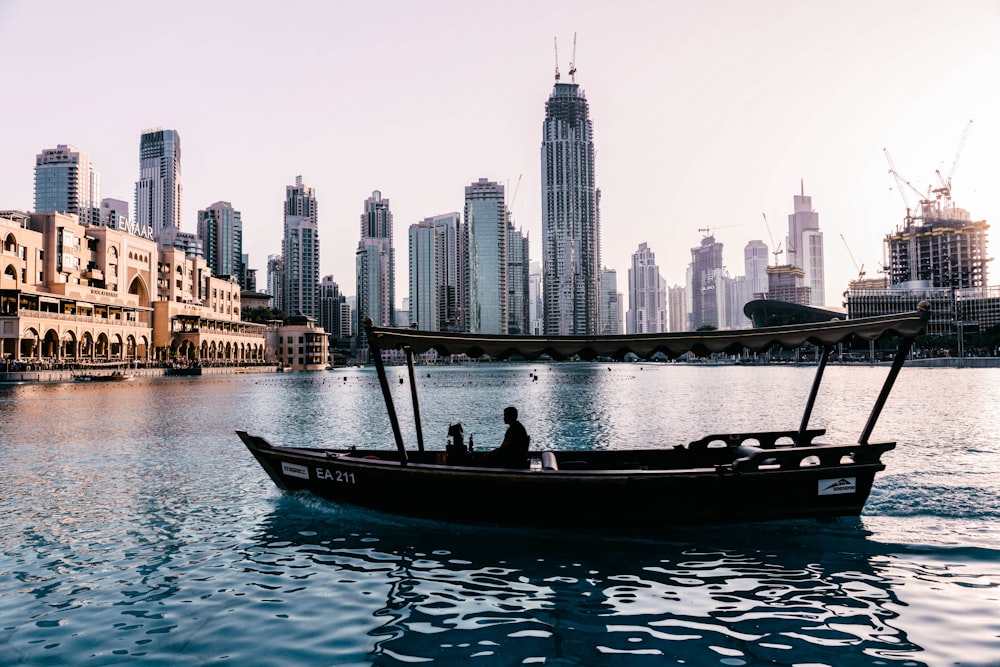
{"x": 725, "y": 477}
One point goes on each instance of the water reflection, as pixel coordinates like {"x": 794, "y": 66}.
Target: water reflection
{"x": 517, "y": 597}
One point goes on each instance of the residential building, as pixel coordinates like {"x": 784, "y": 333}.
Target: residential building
{"x": 436, "y": 279}
{"x": 485, "y": 240}
{"x": 275, "y": 280}
{"x": 677, "y": 309}
{"x": 158, "y": 192}
{"x": 300, "y": 251}
{"x": 704, "y": 283}
{"x": 375, "y": 262}
{"x": 518, "y": 281}
{"x": 220, "y": 229}
{"x": 66, "y": 182}
{"x": 571, "y": 242}
{"x": 755, "y": 262}
{"x": 647, "y": 294}
{"x": 612, "y": 303}
{"x": 535, "y": 302}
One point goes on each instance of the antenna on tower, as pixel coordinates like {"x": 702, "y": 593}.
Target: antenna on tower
{"x": 572, "y": 62}
{"x": 555, "y": 43}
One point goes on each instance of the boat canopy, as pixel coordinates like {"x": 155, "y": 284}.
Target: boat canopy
{"x": 644, "y": 346}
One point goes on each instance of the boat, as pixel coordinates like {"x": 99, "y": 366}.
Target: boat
{"x": 114, "y": 376}
{"x": 785, "y": 473}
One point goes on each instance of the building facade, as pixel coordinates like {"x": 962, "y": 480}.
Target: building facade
{"x": 485, "y": 234}
{"x": 66, "y": 182}
{"x": 300, "y": 251}
{"x": 158, "y": 192}
{"x": 804, "y": 246}
{"x": 220, "y": 229}
{"x": 706, "y": 273}
{"x": 518, "y": 281}
{"x": 375, "y": 263}
{"x": 612, "y": 303}
{"x": 571, "y": 243}
{"x": 647, "y": 294}
{"x": 79, "y": 294}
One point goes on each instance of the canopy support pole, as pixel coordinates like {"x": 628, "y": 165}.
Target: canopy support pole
{"x": 901, "y": 353}
{"x": 817, "y": 381}
{"x": 376, "y": 352}
{"x": 413, "y": 393}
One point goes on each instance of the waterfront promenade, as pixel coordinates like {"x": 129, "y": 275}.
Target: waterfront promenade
{"x": 69, "y": 373}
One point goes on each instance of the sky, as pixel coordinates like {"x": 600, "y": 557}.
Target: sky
{"x": 706, "y": 114}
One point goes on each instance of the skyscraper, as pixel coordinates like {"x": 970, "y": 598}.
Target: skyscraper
{"x": 571, "y": 243}
{"x": 66, "y": 182}
{"x": 332, "y": 306}
{"x": 485, "y": 233}
{"x": 705, "y": 283}
{"x": 300, "y": 251}
{"x": 220, "y": 229}
{"x": 435, "y": 278}
{"x": 805, "y": 245}
{"x": 518, "y": 281}
{"x": 611, "y": 303}
{"x": 376, "y": 264}
{"x": 755, "y": 268}
{"x": 158, "y": 190}
{"x": 647, "y": 294}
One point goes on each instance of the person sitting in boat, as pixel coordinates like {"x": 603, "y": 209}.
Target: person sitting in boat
{"x": 513, "y": 451}
{"x": 458, "y": 453}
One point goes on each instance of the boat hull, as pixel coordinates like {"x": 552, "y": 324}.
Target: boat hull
{"x": 762, "y": 485}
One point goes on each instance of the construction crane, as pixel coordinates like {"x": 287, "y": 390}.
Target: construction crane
{"x": 708, "y": 230}
{"x": 777, "y": 250}
{"x": 572, "y": 62}
{"x": 555, "y": 42}
{"x": 861, "y": 268}
{"x": 945, "y": 190}
{"x": 902, "y": 184}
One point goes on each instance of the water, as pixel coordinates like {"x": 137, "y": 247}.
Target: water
{"x": 136, "y": 528}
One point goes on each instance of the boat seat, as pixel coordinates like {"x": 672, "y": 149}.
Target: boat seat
{"x": 549, "y": 461}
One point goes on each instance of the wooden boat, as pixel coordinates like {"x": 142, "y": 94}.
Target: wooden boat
{"x": 780, "y": 474}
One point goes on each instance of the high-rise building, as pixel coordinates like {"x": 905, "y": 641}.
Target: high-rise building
{"x": 571, "y": 241}
{"x": 707, "y": 272}
{"x": 376, "y": 267}
{"x": 158, "y": 190}
{"x": 677, "y": 308}
{"x": 66, "y": 182}
{"x": 518, "y": 281}
{"x": 755, "y": 262}
{"x": 331, "y": 309}
{"x": 485, "y": 234}
{"x": 114, "y": 213}
{"x": 300, "y": 251}
{"x": 220, "y": 229}
{"x": 941, "y": 248}
{"x": 535, "y": 305}
{"x": 611, "y": 303}
{"x": 804, "y": 245}
{"x": 435, "y": 280}
{"x": 647, "y": 294}
{"x": 275, "y": 280}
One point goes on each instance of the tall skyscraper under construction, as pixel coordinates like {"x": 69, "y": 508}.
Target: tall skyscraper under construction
{"x": 571, "y": 241}
{"x": 158, "y": 190}
{"x": 942, "y": 246}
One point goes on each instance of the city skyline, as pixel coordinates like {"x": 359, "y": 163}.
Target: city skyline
{"x": 705, "y": 116}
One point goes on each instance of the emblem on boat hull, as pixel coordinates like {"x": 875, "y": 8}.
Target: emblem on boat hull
{"x": 293, "y": 470}
{"x": 831, "y": 487}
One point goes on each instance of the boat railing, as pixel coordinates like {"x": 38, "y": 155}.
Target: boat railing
{"x": 753, "y": 459}
{"x": 762, "y": 439}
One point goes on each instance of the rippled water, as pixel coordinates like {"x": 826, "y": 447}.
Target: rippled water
{"x": 136, "y": 528}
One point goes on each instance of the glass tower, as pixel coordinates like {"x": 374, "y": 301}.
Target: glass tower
{"x": 486, "y": 243}
{"x": 300, "y": 251}
{"x": 220, "y": 229}
{"x": 158, "y": 190}
{"x": 66, "y": 182}
{"x": 375, "y": 261}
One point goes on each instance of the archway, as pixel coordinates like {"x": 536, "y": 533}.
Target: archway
{"x": 101, "y": 346}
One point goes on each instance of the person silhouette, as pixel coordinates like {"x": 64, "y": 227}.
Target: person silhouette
{"x": 513, "y": 451}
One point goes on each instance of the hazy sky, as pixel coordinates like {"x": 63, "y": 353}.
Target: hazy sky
{"x": 706, "y": 114}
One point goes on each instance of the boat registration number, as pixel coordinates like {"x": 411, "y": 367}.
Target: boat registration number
{"x": 335, "y": 475}
{"x": 832, "y": 487}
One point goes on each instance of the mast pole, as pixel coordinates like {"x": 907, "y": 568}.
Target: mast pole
{"x": 817, "y": 381}
{"x": 413, "y": 393}
{"x": 901, "y": 352}
{"x": 384, "y": 383}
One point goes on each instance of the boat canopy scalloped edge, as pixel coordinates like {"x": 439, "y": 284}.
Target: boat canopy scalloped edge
{"x": 644, "y": 346}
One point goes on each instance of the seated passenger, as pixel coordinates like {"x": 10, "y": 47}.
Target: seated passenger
{"x": 513, "y": 451}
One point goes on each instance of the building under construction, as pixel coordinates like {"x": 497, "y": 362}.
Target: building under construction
{"x": 940, "y": 248}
